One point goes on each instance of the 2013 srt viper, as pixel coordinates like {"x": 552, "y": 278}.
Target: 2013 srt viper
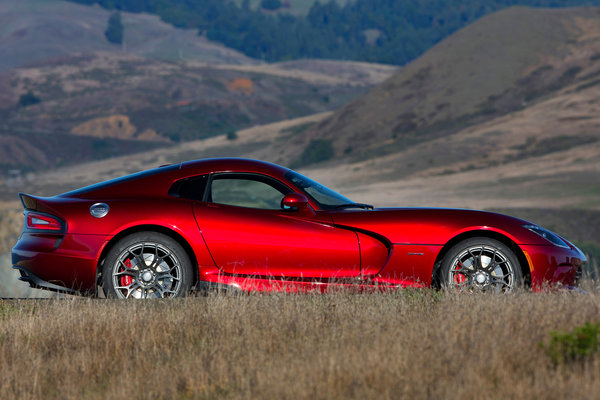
{"x": 253, "y": 225}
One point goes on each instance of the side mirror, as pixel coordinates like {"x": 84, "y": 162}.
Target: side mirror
{"x": 294, "y": 202}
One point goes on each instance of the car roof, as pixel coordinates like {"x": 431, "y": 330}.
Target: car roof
{"x": 233, "y": 165}
{"x": 159, "y": 180}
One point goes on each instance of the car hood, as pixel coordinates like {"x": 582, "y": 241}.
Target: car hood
{"x": 434, "y": 226}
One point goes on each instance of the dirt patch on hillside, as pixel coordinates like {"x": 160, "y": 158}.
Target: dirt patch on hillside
{"x": 115, "y": 126}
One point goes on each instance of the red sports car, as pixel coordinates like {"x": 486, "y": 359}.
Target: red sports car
{"x": 253, "y": 225}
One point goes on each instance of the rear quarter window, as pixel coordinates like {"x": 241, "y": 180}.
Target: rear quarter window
{"x": 192, "y": 188}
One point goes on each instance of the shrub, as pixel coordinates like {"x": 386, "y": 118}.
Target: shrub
{"x": 232, "y": 135}
{"x": 270, "y": 4}
{"x": 29, "y": 99}
{"x": 316, "y": 151}
{"x": 577, "y": 345}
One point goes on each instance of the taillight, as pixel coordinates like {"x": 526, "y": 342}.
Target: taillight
{"x": 43, "y": 222}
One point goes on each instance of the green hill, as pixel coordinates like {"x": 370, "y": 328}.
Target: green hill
{"x": 383, "y": 31}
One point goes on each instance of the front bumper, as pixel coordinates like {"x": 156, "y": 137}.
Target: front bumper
{"x": 553, "y": 265}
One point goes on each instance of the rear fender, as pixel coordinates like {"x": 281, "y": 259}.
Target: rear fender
{"x": 197, "y": 252}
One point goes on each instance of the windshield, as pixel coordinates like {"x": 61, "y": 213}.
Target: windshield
{"x": 327, "y": 198}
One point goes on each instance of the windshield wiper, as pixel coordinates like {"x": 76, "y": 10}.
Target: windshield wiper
{"x": 354, "y": 205}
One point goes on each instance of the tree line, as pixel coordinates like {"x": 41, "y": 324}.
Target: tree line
{"x": 385, "y": 31}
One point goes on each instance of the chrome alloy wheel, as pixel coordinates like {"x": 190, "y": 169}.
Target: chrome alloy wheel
{"x": 482, "y": 268}
{"x": 146, "y": 270}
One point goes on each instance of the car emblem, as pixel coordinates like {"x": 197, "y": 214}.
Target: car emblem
{"x": 99, "y": 210}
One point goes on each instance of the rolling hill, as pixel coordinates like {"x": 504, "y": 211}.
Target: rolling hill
{"x": 106, "y": 103}
{"x": 75, "y": 97}
{"x": 505, "y": 62}
{"x": 519, "y": 109}
{"x": 382, "y": 31}
{"x": 33, "y": 30}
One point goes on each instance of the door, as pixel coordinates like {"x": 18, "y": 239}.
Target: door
{"x": 248, "y": 233}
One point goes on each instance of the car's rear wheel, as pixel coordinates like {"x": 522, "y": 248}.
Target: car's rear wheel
{"x": 481, "y": 264}
{"x": 146, "y": 265}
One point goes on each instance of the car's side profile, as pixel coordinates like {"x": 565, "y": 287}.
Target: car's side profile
{"x": 254, "y": 225}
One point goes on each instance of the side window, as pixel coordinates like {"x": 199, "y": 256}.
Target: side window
{"x": 190, "y": 188}
{"x": 244, "y": 190}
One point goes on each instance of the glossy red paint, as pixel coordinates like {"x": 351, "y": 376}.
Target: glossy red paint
{"x": 551, "y": 264}
{"x": 295, "y": 201}
{"x": 434, "y": 225}
{"x": 374, "y": 254}
{"x": 65, "y": 260}
{"x": 304, "y": 246}
{"x": 410, "y": 263}
{"x": 277, "y": 243}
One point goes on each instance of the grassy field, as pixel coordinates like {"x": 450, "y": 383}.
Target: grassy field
{"x": 408, "y": 344}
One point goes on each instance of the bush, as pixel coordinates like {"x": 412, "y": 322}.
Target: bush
{"x": 29, "y": 99}
{"x": 578, "y": 345}
{"x": 270, "y": 4}
{"x": 317, "y": 150}
{"x": 232, "y": 135}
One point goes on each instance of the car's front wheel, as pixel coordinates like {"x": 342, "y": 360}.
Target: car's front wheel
{"x": 146, "y": 265}
{"x": 481, "y": 264}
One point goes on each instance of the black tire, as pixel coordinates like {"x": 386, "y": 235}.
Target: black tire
{"x": 146, "y": 265}
{"x": 481, "y": 264}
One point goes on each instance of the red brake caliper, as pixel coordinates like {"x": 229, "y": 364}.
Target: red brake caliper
{"x": 458, "y": 277}
{"x": 126, "y": 279}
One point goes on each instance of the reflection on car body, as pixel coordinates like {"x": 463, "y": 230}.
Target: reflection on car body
{"x": 254, "y": 225}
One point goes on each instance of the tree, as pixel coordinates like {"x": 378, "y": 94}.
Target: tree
{"x": 114, "y": 31}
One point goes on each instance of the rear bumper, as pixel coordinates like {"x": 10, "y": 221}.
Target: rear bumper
{"x": 37, "y": 283}
{"x": 66, "y": 261}
{"x": 553, "y": 265}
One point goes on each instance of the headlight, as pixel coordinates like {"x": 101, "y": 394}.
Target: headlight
{"x": 549, "y": 236}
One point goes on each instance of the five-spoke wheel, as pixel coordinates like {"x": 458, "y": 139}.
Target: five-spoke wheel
{"x": 481, "y": 264}
{"x": 146, "y": 265}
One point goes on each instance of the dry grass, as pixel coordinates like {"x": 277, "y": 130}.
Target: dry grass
{"x": 11, "y": 224}
{"x": 410, "y": 344}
